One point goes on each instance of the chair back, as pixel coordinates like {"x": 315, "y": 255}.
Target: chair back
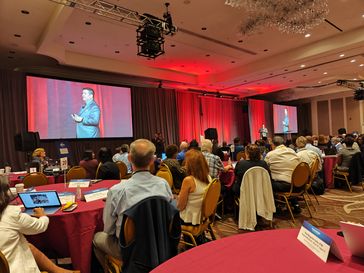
{"x": 256, "y": 195}
{"x": 240, "y": 155}
{"x": 300, "y": 175}
{"x": 355, "y": 168}
{"x": 76, "y": 172}
{"x": 123, "y": 169}
{"x": 97, "y": 170}
{"x": 34, "y": 179}
{"x": 4, "y": 265}
{"x": 313, "y": 171}
{"x": 210, "y": 199}
{"x": 165, "y": 173}
{"x": 149, "y": 235}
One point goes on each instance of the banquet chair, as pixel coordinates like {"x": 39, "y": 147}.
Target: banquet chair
{"x": 353, "y": 175}
{"x": 240, "y": 155}
{"x": 256, "y": 197}
{"x": 112, "y": 264}
{"x": 76, "y": 172}
{"x": 299, "y": 180}
{"x": 123, "y": 169}
{"x": 165, "y": 173}
{"x": 4, "y": 265}
{"x": 97, "y": 170}
{"x": 208, "y": 209}
{"x": 34, "y": 179}
{"x": 313, "y": 174}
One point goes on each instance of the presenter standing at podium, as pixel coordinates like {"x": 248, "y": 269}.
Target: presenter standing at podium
{"x": 263, "y": 132}
{"x": 89, "y": 116}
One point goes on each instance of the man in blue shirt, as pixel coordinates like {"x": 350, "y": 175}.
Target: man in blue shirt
{"x": 89, "y": 116}
{"x": 126, "y": 194}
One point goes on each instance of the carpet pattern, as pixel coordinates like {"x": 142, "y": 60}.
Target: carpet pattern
{"x": 335, "y": 205}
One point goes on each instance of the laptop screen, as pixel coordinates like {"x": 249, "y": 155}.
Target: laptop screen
{"x": 40, "y": 199}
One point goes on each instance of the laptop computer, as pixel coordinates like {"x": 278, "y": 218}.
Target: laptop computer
{"x": 48, "y": 200}
{"x": 354, "y": 237}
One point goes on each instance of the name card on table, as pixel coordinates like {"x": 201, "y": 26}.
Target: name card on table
{"x": 82, "y": 183}
{"x": 32, "y": 170}
{"x": 65, "y": 197}
{"x": 95, "y": 194}
{"x": 318, "y": 242}
{"x": 64, "y": 163}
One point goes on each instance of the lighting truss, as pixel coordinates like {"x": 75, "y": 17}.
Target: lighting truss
{"x": 118, "y": 13}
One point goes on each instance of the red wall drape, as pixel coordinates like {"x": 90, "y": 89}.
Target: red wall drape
{"x": 197, "y": 113}
{"x": 258, "y": 115}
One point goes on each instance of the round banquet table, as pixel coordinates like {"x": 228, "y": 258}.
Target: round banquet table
{"x": 70, "y": 234}
{"x": 275, "y": 251}
{"x": 328, "y": 166}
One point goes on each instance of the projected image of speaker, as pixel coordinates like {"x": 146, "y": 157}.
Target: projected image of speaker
{"x": 211, "y": 133}
{"x": 26, "y": 141}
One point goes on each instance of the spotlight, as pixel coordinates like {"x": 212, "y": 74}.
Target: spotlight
{"x": 150, "y": 40}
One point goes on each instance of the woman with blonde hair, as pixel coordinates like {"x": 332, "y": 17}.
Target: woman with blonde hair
{"x": 193, "y": 187}
{"x": 39, "y": 156}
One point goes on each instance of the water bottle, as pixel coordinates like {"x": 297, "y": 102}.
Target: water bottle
{"x": 78, "y": 193}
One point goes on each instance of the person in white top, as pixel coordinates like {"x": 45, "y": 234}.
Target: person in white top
{"x": 282, "y": 161}
{"x": 193, "y": 188}
{"x": 22, "y": 256}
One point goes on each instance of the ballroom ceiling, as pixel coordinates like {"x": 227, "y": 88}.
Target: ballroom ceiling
{"x": 206, "y": 53}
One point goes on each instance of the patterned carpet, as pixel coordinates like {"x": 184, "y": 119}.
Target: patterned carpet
{"x": 335, "y": 205}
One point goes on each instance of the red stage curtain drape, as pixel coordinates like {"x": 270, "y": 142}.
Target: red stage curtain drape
{"x": 257, "y": 117}
{"x": 197, "y": 113}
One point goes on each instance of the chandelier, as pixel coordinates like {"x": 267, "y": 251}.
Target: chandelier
{"x": 289, "y": 16}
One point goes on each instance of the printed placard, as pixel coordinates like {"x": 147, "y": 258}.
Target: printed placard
{"x": 318, "y": 242}
{"x": 82, "y": 183}
{"x": 64, "y": 163}
{"x": 95, "y": 194}
{"x": 65, "y": 197}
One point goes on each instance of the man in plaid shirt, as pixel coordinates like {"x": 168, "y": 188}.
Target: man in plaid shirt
{"x": 214, "y": 162}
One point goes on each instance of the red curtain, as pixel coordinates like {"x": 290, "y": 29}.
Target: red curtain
{"x": 197, "y": 113}
{"x": 257, "y": 109}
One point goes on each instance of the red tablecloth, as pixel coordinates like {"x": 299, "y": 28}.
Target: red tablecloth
{"x": 70, "y": 234}
{"x": 260, "y": 252}
{"x": 17, "y": 178}
{"x": 329, "y": 164}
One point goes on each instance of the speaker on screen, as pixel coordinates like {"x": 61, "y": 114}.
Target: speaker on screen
{"x": 26, "y": 141}
{"x": 211, "y": 133}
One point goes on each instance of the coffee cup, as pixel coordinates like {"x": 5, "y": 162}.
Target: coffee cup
{"x": 7, "y": 169}
{"x": 2, "y": 171}
{"x": 19, "y": 187}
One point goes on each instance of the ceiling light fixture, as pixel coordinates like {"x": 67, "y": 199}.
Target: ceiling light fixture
{"x": 287, "y": 15}
{"x": 341, "y": 55}
{"x": 361, "y": 65}
{"x": 307, "y": 35}
{"x": 302, "y": 65}
{"x": 353, "y": 61}
{"x": 325, "y": 73}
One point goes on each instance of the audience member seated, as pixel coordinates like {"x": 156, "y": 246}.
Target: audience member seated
{"x": 216, "y": 150}
{"x": 310, "y": 146}
{"x": 126, "y": 194}
{"x": 346, "y": 153}
{"x": 194, "y": 145}
{"x": 355, "y": 145}
{"x": 360, "y": 142}
{"x": 282, "y": 161}
{"x": 193, "y": 189}
{"x": 323, "y": 142}
{"x": 305, "y": 155}
{"x": 237, "y": 147}
{"x": 89, "y": 163}
{"x": 225, "y": 149}
{"x": 336, "y": 142}
{"x": 183, "y": 149}
{"x": 39, "y": 156}
{"x": 108, "y": 169}
{"x": 253, "y": 159}
{"x": 174, "y": 166}
{"x": 122, "y": 156}
{"x": 214, "y": 162}
{"x": 22, "y": 256}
